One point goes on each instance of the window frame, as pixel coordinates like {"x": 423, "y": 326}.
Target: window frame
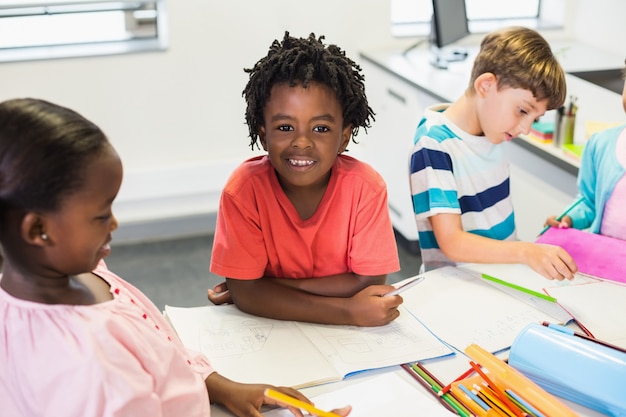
{"x": 550, "y": 15}
{"x": 158, "y": 42}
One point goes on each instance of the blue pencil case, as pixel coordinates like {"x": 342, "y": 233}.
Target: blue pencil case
{"x": 571, "y": 366}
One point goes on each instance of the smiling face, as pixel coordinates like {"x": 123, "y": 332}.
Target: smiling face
{"x": 507, "y": 112}
{"x": 303, "y": 133}
{"x": 78, "y": 234}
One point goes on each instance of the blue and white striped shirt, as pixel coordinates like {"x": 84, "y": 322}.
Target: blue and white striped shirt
{"x": 454, "y": 172}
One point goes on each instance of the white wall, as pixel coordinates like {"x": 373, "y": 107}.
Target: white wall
{"x": 176, "y": 117}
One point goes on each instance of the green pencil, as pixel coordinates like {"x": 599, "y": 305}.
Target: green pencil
{"x": 567, "y": 210}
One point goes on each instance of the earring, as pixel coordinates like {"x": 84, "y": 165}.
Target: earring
{"x": 44, "y": 236}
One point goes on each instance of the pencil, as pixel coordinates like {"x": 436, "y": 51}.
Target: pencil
{"x": 290, "y": 401}
{"x": 450, "y": 405}
{"x": 496, "y": 410}
{"x": 425, "y": 373}
{"x": 566, "y": 330}
{"x": 567, "y": 210}
{"x": 491, "y": 398}
{"x": 460, "y": 377}
{"x": 499, "y": 392}
{"x": 524, "y": 403}
{"x": 474, "y": 398}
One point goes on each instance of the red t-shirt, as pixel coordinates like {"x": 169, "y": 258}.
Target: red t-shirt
{"x": 259, "y": 232}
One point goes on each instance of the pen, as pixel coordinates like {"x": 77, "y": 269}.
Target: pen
{"x": 405, "y": 286}
{"x": 290, "y": 401}
{"x": 560, "y": 216}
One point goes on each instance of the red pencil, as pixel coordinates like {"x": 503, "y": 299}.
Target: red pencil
{"x": 460, "y": 377}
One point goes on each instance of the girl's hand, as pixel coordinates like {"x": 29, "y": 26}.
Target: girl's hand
{"x": 245, "y": 400}
{"x": 564, "y": 223}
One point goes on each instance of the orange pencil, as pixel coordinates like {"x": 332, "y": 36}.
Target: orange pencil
{"x": 496, "y": 389}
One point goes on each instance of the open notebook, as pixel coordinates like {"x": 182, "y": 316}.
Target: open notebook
{"x": 254, "y": 349}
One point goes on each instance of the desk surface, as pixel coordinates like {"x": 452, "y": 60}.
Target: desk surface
{"x": 446, "y": 369}
{"x": 450, "y": 367}
{"x": 595, "y": 103}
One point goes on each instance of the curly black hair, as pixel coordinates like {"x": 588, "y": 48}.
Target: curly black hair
{"x": 299, "y": 61}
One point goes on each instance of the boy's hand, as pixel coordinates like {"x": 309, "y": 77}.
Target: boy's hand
{"x": 220, "y": 294}
{"x": 369, "y": 308}
{"x": 553, "y": 262}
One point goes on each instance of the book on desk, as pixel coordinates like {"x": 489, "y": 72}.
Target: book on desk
{"x": 249, "y": 348}
{"x": 450, "y": 309}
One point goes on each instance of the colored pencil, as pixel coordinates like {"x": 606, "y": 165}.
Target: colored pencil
{"x": 437, "y": 381}
{"x": 566, "y": 330}
{"x": 293, "y": 402}
{"x": 460, "y": 377}
{"x": 474, "y": 397}
{"x": 496, "y": 410}
{"x": 490, "y": 397}
{"x": 524, "y": 403}
{"x": 560, "y": 216}
{"x": 445, "y": 401}
{"x": 499, "y": 392}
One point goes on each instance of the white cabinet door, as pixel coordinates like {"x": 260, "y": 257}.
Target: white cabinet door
{"x": 399, "y": 106}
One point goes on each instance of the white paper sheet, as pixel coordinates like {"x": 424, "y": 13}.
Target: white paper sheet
{"x": 385, "y": 395}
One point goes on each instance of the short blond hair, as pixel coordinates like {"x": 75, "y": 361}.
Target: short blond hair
{"x": 520, "y": 57}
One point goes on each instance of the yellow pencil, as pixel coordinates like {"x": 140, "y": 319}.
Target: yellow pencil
{"x": 286, "y": 399}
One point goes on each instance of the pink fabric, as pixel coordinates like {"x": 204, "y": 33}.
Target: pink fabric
{"x": 117, "y": 358}
{"x": 613, "y": 223}
{"x": 259, "y": 232}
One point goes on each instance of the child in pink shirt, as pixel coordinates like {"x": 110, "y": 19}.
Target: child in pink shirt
{"x": 77, "y": 340}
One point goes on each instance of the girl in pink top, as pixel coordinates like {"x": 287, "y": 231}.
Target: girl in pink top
{"x": 78, "y": 341}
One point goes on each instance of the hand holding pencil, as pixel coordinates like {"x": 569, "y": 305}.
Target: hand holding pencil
{"x": 296, "y": 405}
{"x": 562, "y": 220}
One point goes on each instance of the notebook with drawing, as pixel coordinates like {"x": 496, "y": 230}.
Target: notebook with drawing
{"x": 254, "y": 349}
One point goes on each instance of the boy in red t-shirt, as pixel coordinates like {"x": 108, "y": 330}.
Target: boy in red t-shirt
{"x": 303, "y": 232}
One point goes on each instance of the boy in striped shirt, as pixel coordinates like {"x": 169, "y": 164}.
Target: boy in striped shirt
{"x": 459, "y": 174}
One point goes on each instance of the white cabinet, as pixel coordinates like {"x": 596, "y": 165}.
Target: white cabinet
{"x": 399, "y": 106}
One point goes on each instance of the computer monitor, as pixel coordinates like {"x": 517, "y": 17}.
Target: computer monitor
{"x": 448, "y": 25}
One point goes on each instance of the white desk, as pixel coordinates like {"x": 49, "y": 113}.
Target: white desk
{"x": 449, "y": 368}
{"x": 445, "y": 369}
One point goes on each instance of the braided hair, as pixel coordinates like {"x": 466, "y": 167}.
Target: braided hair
{"x": 300, "y": 61}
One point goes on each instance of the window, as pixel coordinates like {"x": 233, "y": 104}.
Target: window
{"x": 412, "y": 17}
{"x": 57, "y": 29}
